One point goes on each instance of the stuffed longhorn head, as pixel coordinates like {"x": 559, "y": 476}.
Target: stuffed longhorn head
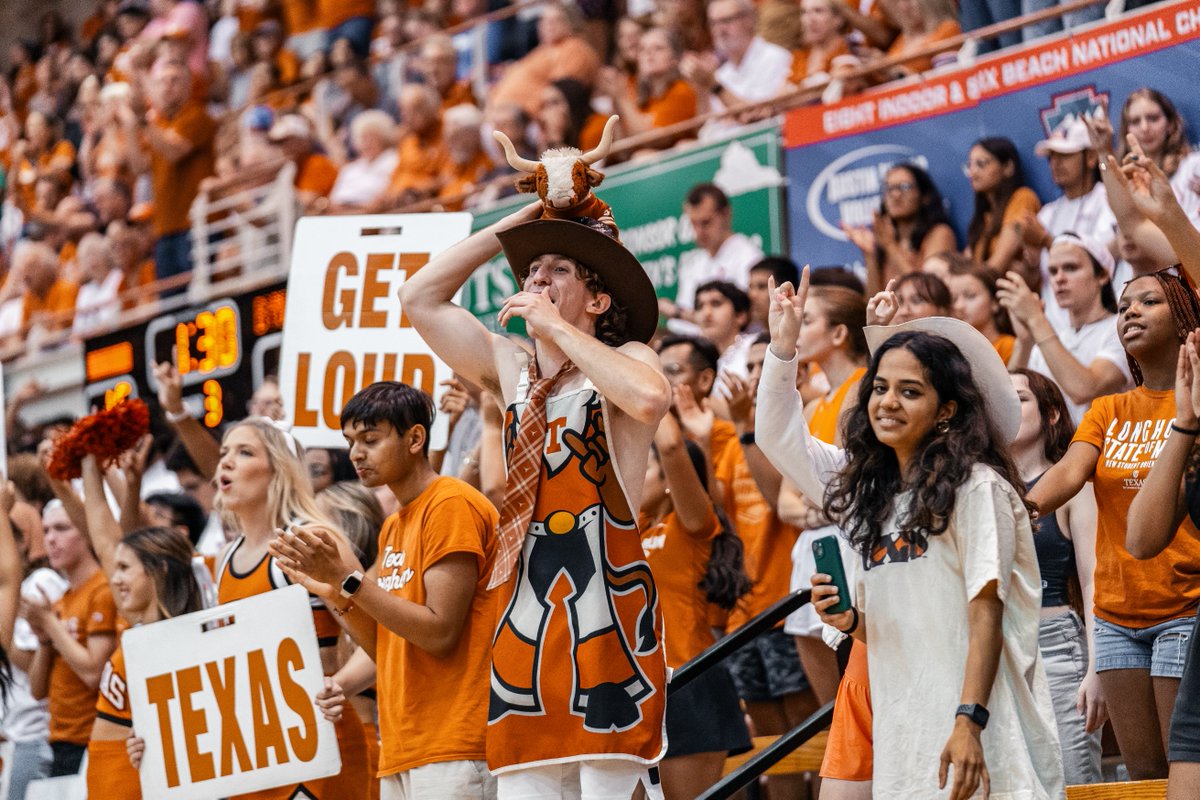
{"x": 564, "y": 178}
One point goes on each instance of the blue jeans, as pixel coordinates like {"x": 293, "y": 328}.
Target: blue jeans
{"x": 1063, "y": 642}
{"x": 31, "y": 761}
{"x": 1069, "y": 20}
{"x": 974, "y": 14}
{"x": 173, "y": 254}
{"x": 1160, "y": 649}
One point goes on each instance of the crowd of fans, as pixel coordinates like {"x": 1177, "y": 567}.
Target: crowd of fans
{"x": 112, "y": 132}
{"x": 113, "y": 128}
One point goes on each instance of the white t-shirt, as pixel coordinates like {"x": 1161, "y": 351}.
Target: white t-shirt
{"x": 96, "y": 304}
{"x": 761, "y": 73}
{"x": 23, "y": 718}
{"x": 914, "y": 604}
{"x": 1088, "y": 215}
{"x": 732, "y": 263}
{"x": 362, "y": 182}
{"x": 1092, "y": 341}
{"x": 1187, "y": 172}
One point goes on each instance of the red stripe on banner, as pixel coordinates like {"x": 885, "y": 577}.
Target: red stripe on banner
{"x": 1137, "y": 34}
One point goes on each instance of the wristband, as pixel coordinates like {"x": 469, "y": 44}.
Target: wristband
{"x": 341, "y": 612}
{"x": 853, "y": 625}
{"x": 1185, "y": 431}
{"x": 176, "y": 417}
{"x": 747, "y": 438}
{"x": 1045, "y": 339}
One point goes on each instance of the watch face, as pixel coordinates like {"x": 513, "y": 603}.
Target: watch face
{"x": 351, "y": 583}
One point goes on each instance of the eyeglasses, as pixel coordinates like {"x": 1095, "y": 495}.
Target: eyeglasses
{"x": 715, "y": 21}
{"x": 977, "y": 164}
{"x": 899, "y": 188}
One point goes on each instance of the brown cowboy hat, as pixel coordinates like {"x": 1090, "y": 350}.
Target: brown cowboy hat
{"x": 588, "y": 243}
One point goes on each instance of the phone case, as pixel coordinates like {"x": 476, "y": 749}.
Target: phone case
{"x": 828, "y": 557}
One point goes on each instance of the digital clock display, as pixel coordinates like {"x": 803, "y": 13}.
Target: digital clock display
{"x": 202, "y": 343}
{"x": 222, "y": 350}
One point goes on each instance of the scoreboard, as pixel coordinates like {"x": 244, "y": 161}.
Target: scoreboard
{"x": 222, "y": 350}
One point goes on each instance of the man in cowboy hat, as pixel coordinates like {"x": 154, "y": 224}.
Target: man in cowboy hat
{"x": 578, "y": 672}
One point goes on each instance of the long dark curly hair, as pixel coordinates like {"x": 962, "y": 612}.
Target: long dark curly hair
{"x": 861, "y": 495}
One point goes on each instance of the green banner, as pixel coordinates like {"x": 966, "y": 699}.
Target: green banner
{"x": 647, "y": 203}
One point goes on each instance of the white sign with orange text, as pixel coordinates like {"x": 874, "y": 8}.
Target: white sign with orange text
{"x": 344, "y": 328}
{"x": 225, "y": 699}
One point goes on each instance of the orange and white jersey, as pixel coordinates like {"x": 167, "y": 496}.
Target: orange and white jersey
{"x": 265, "y": 577}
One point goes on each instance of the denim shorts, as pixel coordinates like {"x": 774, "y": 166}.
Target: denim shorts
{"x": 1162, "y": 649}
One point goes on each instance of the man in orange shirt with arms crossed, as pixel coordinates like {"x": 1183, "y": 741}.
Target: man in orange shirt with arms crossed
{"x": 423, "y": 612}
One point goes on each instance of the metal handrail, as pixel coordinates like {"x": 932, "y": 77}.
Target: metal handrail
{"x": 718, "y": 651}
{"x": 770, "y": 755}
{"x": 775, "y": 752}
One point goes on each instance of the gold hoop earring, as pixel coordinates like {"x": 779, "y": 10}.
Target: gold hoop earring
{"x": 943, "y": 426}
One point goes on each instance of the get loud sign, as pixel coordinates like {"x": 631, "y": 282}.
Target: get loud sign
{"x": 224, "y": 699}
{"x": 345, "y": 329}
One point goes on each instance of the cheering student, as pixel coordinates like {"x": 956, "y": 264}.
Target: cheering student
{"x": 75, "y": 636}
{"x": 151, "y": 579}
{"x": 1145, "y": 609}
{"x": 679, "y": 525}
{"x": 932, "y": 508}
{"x": 262, "y": 487}
{"x": 1066, "y": 549}
{"x": 423, "y": 611}
{"x": 578, "y": 677}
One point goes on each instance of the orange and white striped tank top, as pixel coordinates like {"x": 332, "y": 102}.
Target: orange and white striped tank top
{"x": 264, "y": 577}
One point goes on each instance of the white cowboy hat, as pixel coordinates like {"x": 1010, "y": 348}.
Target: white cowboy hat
{"x": 987, "y": 368}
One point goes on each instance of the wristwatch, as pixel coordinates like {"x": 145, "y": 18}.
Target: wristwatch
{"x": 974, "y": 712}
{"x": 351, "y": 584}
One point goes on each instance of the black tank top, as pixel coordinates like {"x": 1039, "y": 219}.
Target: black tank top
{"x": 1056, "y": 558}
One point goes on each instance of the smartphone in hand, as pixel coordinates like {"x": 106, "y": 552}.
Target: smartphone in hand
{"x": 829, "y": 561}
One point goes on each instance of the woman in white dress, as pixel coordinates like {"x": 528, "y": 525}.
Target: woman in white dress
{"x": 944, "y": 581}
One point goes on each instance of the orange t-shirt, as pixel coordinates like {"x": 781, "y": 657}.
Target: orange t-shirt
{"x": 299, "y": 16}
{"x": 447, "y": 517}
{"x": 86, "y": 611}
{"x": 288, "y": 64}
{"x": 331, "y": 13}
{"x": 458, "y": 180}
{"x": 144, "y": 276}
{"x": 1004, "y": 345}
{"x": 177, "y": 183}
{"x": 593, "y": 130}
{"x": 60, "y": 299}
{"x": 800, "y": 57}
{"x": 827, "y": 411}
{"x": 946, "y": 29}
{"x": 317, "y": 174}
{"x": 767, "y": 540}
{"x": 1129, "y": 430}
{"x": 27, "y": 172}
{"x": 421, "y": 163}
{"x": 458, "y": 94}
{"x": 678, "y": 561}
{"x": 676, "y": 104}
{"x": 1022, "y": 202}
